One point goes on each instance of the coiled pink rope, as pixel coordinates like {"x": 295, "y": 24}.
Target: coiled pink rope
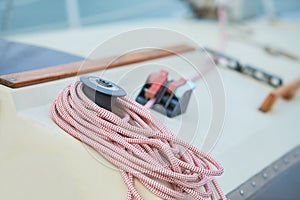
{"x": 142, "y": 148}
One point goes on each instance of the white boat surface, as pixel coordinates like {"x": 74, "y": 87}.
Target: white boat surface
{"x": 38, "y": 160}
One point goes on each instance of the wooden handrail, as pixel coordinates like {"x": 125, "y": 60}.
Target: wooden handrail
{"x": 32, "y": 77}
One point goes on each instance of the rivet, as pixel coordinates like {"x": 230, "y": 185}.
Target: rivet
{"x": 253, "y": 183}
{"x": 275, "y": 168}
{"x": 242, "y": 192}
{"x": 265, "y": 175}
{"x": 286, "y": 160}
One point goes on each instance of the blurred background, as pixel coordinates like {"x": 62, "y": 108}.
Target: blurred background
{"x": 27, "y": 16}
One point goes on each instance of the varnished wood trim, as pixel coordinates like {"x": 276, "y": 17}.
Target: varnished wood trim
{"x": 286, "y": 91}
{"x": 32, "y": 77}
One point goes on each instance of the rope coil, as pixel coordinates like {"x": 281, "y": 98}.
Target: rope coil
{"x": 142, "y": 148}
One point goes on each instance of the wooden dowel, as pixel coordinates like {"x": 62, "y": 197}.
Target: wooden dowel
{"x": 268, "y": 102}
{"x": 286, "y": 91}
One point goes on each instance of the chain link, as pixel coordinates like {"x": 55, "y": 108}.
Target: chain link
{"x": 253, "y": 72}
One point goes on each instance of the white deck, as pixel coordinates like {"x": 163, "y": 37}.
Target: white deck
{"x": 40, "y": 161}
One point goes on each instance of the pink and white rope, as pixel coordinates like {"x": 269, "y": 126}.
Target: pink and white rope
{"x": 142, "y": 148}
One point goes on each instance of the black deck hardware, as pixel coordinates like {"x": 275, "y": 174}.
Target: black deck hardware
{"x": 171, "y": 97}
{"x": 101, "y": 91}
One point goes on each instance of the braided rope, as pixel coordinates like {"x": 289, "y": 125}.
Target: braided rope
{"x": 142, "y": 148}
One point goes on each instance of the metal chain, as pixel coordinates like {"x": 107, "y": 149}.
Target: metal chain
{"x": 248, "y": 70}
